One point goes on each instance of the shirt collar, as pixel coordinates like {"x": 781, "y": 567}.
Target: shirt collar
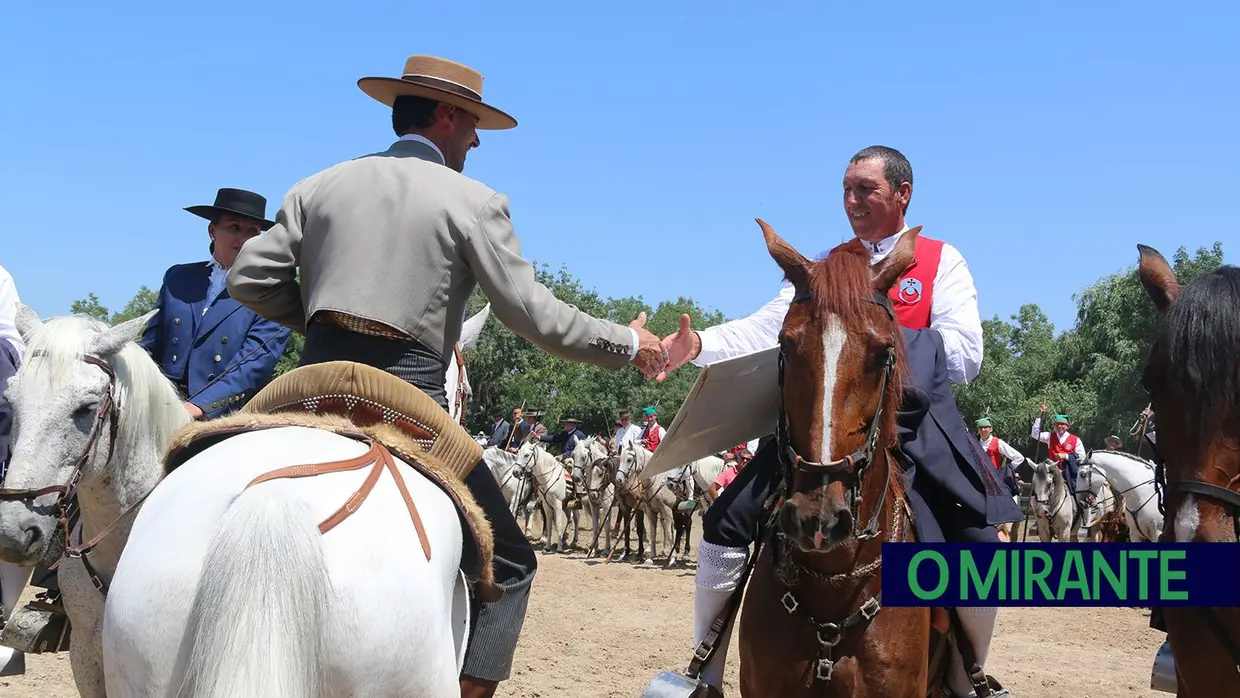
{"x": 423, "y": 139}
{"x": 879, "y": 250}
{"x": 215, "y": 266}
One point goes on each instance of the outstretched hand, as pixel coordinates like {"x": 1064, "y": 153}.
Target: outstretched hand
{"x": 682, "y": 346}
{"x": 651, "y": 358}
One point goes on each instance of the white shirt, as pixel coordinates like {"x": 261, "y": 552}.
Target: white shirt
{"x": 1045, "y": 437}
{"x": 219, "y": 281}
{"x": 423, "y": 139}
{"x": 627, "y": 435}
{"x": 953, "y": 312}
{"x": 1004, "y": 450}
{"x": 8, "y": 315}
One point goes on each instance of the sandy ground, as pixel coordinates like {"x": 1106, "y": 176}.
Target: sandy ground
{"x": 599, "y": 629}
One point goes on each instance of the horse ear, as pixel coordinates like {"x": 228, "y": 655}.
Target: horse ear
{"x": 887, "y": 272}
{"x": 1157, "y": 277}
{"x": 472, "y": 329}
{"x": 794, "y": 264}
{"x": 113, "y": 339}
{"x": 27, "y": 322}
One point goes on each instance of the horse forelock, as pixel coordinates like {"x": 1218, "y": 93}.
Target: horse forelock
{"x": 1192, "y": 374}
{"x": 147, "y": 401}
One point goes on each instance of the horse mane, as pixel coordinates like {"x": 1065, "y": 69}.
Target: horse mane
{"x": 1193, "y": 357}
{"x": 842, "y": 285}
{"x": 148, "y": 401}
{"x": 1124, "y": 454}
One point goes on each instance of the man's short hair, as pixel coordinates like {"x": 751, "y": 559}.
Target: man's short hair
{"x": 410, "y": 112}
{"x": 896, "y": 167}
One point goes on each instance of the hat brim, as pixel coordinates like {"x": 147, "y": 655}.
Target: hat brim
{"x": 213, "y": 212}
{"x": 386, "y": 90}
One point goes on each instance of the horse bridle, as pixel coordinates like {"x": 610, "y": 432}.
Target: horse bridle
{"x": 109, "y": 412}
{"x": 850, "y": 469}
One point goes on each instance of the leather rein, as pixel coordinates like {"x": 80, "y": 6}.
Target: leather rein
{"x": 109, "y": 414}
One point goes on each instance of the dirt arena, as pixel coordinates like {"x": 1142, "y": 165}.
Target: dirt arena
{"x": 599, "y": 629}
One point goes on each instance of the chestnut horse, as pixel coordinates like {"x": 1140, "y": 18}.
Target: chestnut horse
{"x": 812, "y": 621}
{"x": 1193, "y": 378}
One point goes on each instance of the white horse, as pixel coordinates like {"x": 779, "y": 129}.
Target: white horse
{"x": 550, "y": 489}
{"x": 1133, "y": 479}
{"x": 456, "y": 381}
{"x": 600, "y": 492}
{"x": 103, "y": 440}
{"x": 226, "y": 589}
{"x": 1087, "y": 481}
{"x": 1053, "y": 503}
{"x": 705, "y": 471}
{"x": 655, "y": 499}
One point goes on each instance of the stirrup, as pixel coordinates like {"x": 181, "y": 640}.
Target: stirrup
{"x": 39, "y": 627}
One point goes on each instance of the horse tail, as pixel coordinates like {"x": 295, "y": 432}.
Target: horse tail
{"x": 255, "y": 626}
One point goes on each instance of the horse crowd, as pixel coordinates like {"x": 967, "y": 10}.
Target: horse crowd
{"x": 174, "y": 578}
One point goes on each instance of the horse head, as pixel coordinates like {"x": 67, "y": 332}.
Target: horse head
{"x": 1193, "y": 380}
{"x": 628, "y": 466}
{"x": 841, "y": 371}
{"x": 1047, "y": 480}
{"x": 85, "y": 392}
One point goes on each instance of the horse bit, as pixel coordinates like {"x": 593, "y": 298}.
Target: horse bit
{"x": 108, "y": 412}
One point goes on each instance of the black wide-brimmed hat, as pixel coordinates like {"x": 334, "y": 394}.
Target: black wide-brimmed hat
{"x": 237, "y": 202}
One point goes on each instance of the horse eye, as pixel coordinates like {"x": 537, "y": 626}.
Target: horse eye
{"x": 87, "y": 409}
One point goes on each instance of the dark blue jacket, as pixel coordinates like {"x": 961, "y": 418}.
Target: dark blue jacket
{"x": 499, "y": 434}
{"x": 192, "y": 348}
{"x": 943, "y": 461}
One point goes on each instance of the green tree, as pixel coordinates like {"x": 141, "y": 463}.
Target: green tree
{"x": 140, "y": 304}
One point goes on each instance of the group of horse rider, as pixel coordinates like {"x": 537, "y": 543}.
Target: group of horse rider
{"x": 426, "y": 235}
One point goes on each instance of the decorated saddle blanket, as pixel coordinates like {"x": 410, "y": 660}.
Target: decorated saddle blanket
{"x": 362, "y": 402}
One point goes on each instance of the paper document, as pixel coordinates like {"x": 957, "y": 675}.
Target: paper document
{"x": 733, "y": 401}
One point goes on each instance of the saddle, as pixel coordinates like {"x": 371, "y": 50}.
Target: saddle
{"x": 368, "y": 404}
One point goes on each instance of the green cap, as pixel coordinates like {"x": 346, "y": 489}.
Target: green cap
{"x": 1060, "y": 419}
{"x": 983, "y": 422}
{"x": 649, "y": 410}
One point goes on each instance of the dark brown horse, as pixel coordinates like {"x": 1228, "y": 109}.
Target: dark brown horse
{"x": 1193, "y": 377}
{"x": 812, "y": 622}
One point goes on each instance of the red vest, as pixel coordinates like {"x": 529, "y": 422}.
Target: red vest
{"x": 993, "y": 451}
{"x": 912, "y": 295}
{"x": 1054, "y": 447}
{"x": 650, "y": 437}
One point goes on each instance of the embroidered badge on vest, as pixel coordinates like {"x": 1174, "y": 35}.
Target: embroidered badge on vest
{"x": 910, "y": 290}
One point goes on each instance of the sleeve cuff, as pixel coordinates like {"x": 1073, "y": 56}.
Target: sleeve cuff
{"x": 710, "y": 347}
{"x": 637, "y": 343}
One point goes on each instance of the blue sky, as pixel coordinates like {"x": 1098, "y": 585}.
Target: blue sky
{"x": 1046, "y": 139}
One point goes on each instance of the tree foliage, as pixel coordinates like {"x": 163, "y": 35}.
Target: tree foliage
{"x": 1091, "y": 372}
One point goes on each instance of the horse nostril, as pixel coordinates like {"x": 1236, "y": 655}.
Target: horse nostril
{"x": 842, "y": 528}
{"x": 788, "y": 520}
{"x": 33, "y": 537}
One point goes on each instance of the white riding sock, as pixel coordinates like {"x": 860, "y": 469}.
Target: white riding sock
{"x": 979, "y": 626}
{"x": 718, "y": 574}
{"x": 12, "y": 582}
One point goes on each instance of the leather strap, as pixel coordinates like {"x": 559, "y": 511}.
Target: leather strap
{"x": 382, "y": 459}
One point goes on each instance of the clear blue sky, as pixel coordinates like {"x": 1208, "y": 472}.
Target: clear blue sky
{"x": 1046, "y": 140}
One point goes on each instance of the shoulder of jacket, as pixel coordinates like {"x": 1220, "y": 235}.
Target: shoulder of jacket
{"x": 178, "y": 269}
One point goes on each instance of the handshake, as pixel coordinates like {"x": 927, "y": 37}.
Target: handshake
{"x": 656, "y": 358}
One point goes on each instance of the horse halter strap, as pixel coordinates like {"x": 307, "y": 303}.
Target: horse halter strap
{"x": 108, "y": 412}
{"x": 850, "y": 468}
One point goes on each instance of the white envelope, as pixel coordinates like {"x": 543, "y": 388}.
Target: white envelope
{"x": 733, "y": 401}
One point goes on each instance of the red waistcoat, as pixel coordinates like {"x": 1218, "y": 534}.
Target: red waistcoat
{"x": 1054, "y": 446}
{"x": 993, "y": 451}
{"x": 650, "y": 437}
{"x": 912, "y": 295}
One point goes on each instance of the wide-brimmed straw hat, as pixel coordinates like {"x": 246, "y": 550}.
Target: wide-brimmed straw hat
{"x": 442, "y": 80}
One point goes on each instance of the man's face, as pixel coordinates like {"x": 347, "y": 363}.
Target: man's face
{"x": 531, "y": 419}
{"x": 875, "y": 210}
{"x": 1061, "y": 428}
{"x": 983, "y": 433}
{"x": 462, "y": 138}
{"x": 229, "y": 233}
{"x": 516, "y": 416}
{"x": 650, "y": 418}
{"x": 625, "y": 421}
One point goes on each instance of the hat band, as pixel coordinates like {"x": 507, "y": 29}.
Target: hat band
{"x": 445, "y": 85}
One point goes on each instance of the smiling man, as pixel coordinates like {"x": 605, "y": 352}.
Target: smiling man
{"x": 955, "y": 495}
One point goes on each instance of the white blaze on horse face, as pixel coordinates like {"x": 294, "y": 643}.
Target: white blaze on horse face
{"x": 1187, "y": 520}
{"x": 832, "y": 346}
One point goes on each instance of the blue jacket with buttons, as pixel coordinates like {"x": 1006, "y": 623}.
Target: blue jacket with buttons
{"x": 193, "y": 347}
